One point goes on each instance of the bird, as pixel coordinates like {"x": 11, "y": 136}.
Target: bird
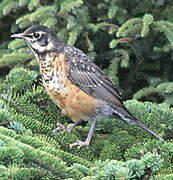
{"x": 78, "y": 86}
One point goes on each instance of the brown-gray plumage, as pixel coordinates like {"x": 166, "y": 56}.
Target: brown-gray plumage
{"x": 77, "y": 86}
{"x": 91, "y": 79}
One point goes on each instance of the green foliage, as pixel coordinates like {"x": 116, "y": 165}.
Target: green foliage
{"x": 132, "y": 42}
{"x": 141, "y": 40}
{"x": 132, "y": 169}
{"x": 28, "y": 140}
{"x": 162, "y": 91}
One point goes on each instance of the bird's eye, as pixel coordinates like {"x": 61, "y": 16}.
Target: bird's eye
{"x": 37, "y": 35}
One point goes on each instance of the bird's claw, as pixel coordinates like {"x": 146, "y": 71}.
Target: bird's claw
{"x": 79, "y": 144}
{"x": 61, "y": 127}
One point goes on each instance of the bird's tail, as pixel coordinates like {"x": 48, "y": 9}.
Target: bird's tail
{"x": 123, "y": 114}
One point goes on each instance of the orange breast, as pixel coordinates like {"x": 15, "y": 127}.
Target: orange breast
{"x": 73, "y": 102}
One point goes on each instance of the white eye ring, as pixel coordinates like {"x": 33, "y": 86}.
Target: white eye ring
{"x": 37, "y": 35}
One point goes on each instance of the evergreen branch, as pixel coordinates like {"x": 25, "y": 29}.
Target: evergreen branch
{"x": 69, "y": 5}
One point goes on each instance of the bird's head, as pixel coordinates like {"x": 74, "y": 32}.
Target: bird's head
{"x": 40, "y": 39}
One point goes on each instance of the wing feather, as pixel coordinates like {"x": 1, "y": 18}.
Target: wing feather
{"x": 88, "y": 77}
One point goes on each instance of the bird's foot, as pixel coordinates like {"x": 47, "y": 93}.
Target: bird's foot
{"x": 79, "y": 144}
{"x": 61, "y": 127}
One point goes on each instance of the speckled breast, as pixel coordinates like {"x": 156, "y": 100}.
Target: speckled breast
{"x": 71, "y": 100}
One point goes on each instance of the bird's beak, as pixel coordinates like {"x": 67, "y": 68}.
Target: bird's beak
{"x": 20, "y": 36}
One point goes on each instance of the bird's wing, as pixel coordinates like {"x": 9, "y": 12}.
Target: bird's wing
{"x": 89, "y": 78}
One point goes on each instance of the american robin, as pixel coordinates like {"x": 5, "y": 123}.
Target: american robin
{"x": 76, "y": 85}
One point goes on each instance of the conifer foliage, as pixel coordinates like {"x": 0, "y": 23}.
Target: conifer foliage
{"x": 132, "y": 41}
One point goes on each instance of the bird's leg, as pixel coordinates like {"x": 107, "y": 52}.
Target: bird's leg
{"x": 88, "y": 139}
{"x": 62, "y": 127}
